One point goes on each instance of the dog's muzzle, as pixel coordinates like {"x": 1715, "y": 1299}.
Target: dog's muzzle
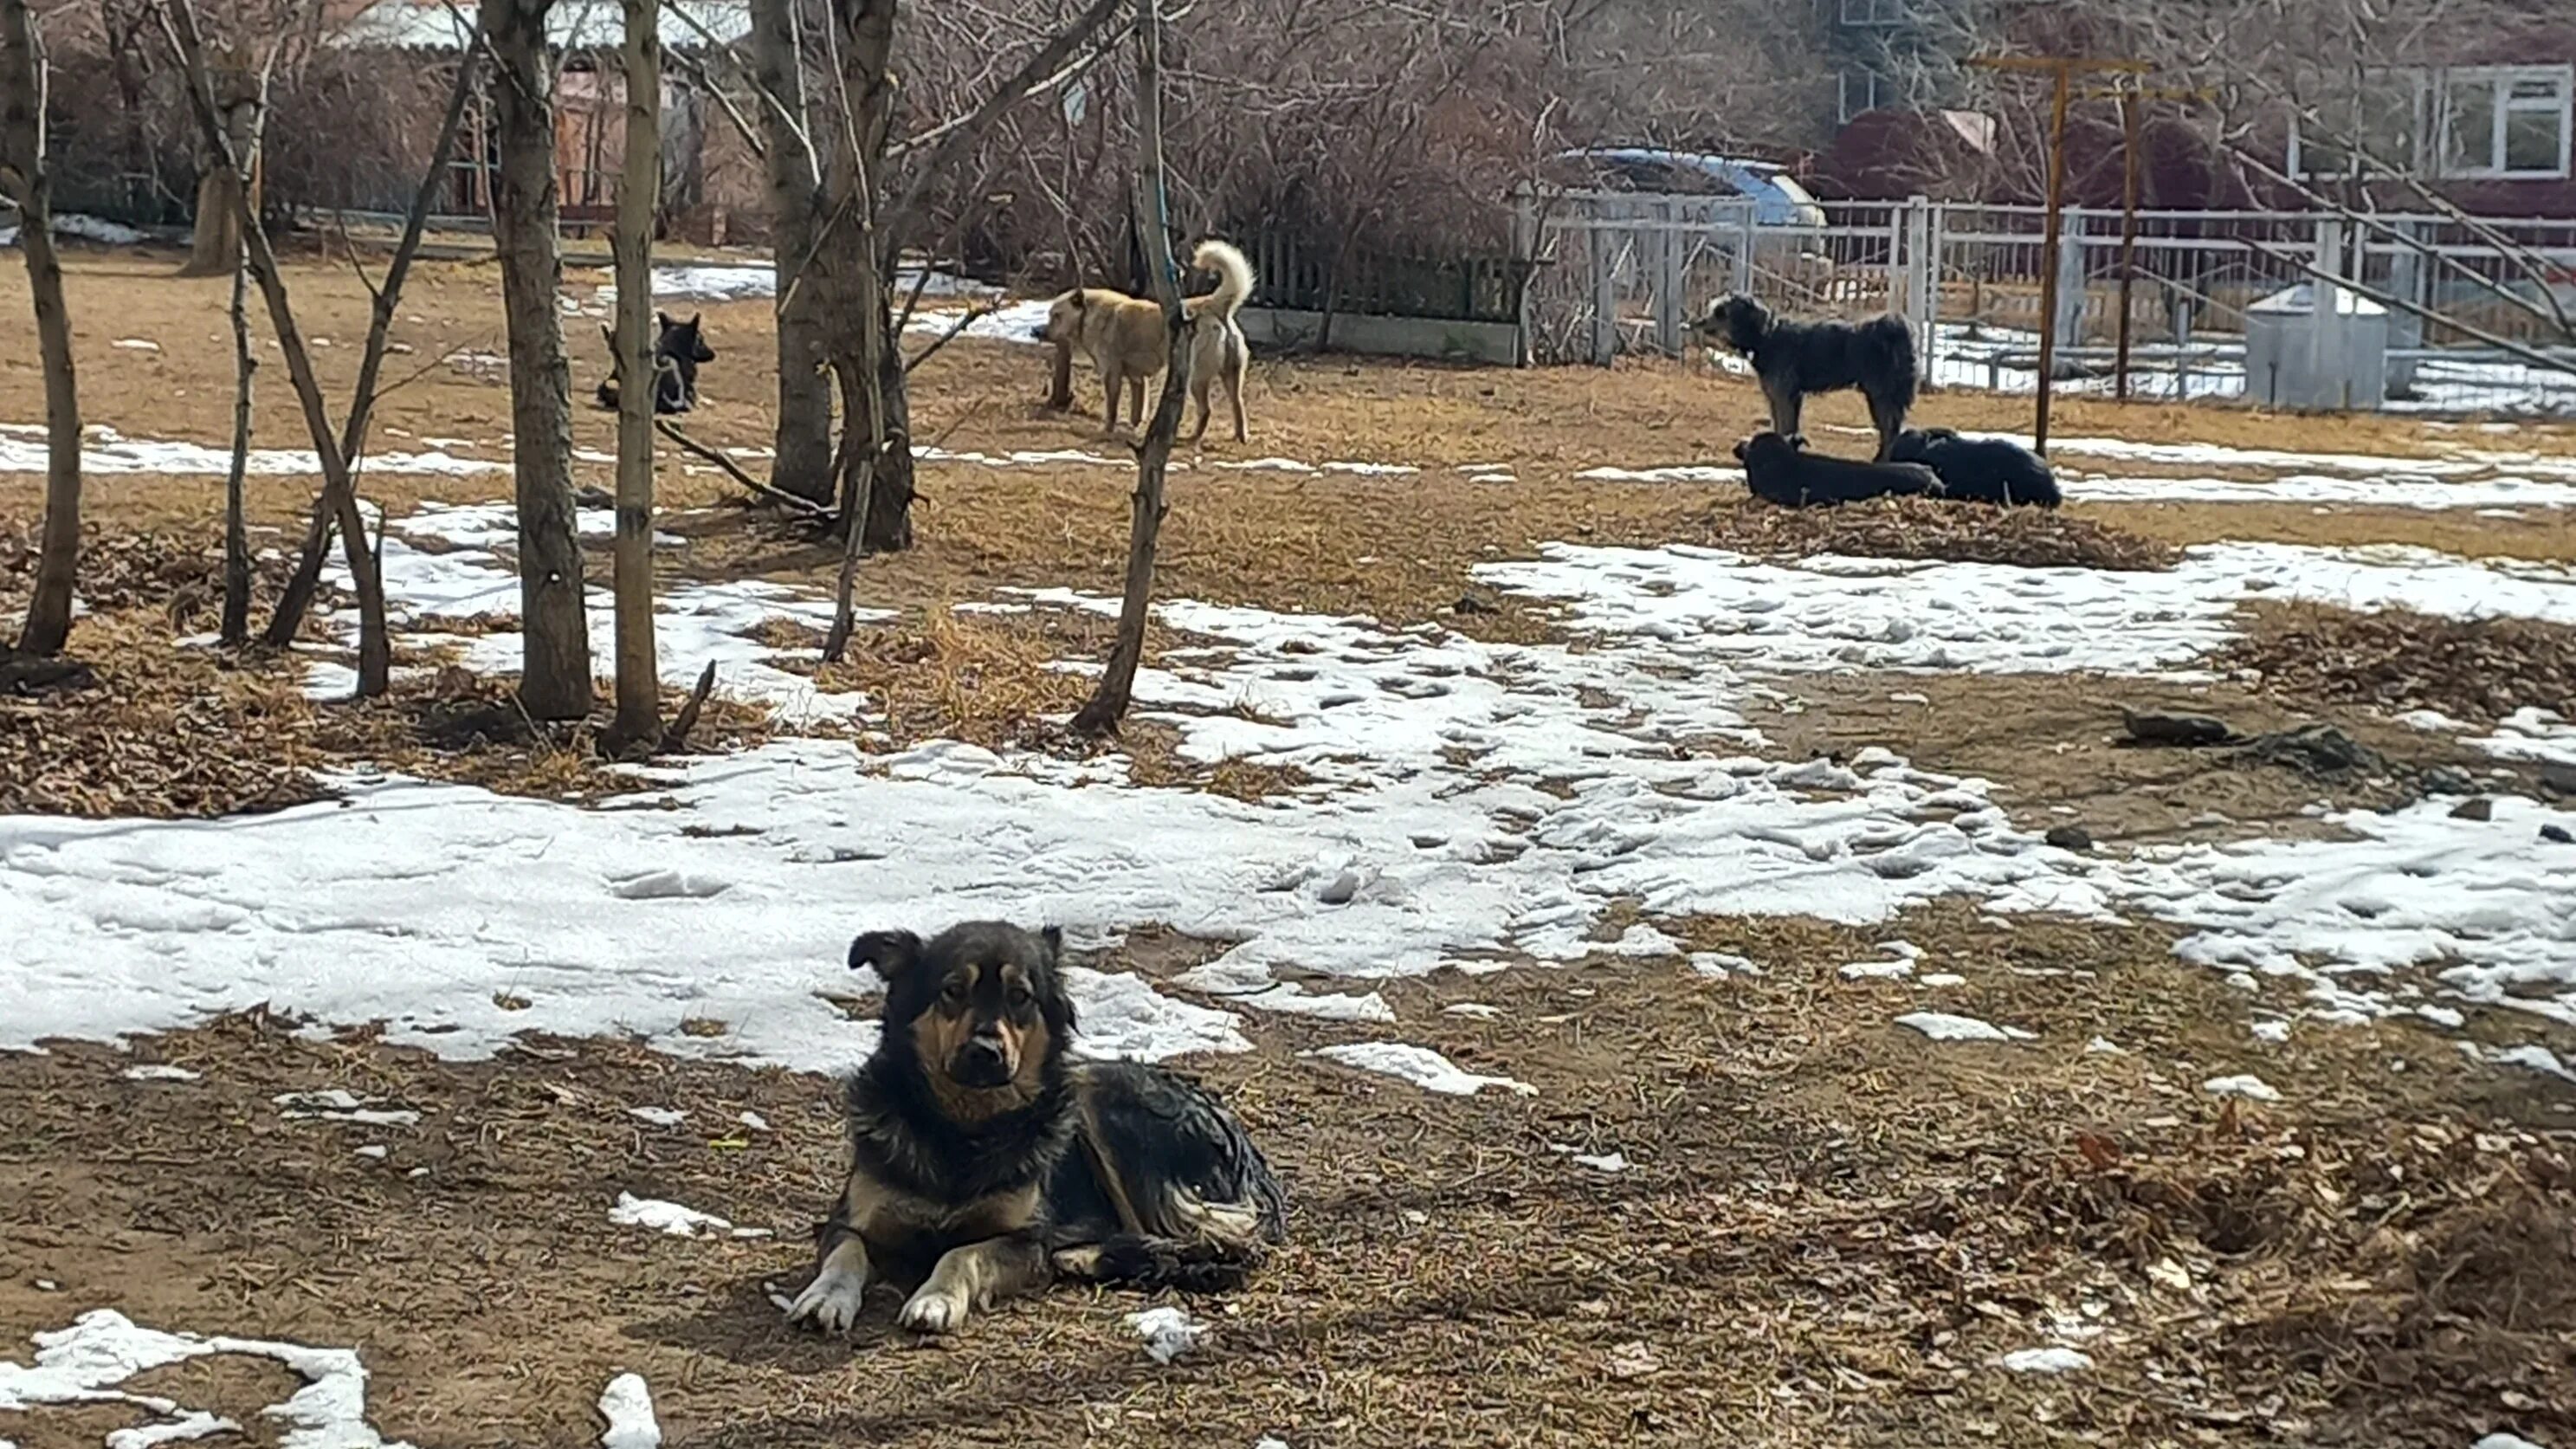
{"x": 981, "y": 1062}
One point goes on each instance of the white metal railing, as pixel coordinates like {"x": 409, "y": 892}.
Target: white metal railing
{"x": 1624, "y": 271}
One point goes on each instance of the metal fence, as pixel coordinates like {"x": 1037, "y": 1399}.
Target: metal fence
{"x": 1625, "y": 273}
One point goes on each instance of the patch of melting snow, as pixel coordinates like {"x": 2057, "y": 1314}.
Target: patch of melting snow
{"x": 672, "y": 1218}
{"x": 86, "y": 1363}
{"x": 626, "y": 1407}
{"x": 2249, "y": 1087}
{"x": 2046, "y": 1361}
{"x": 1421, "y": 1066}
{"x": 1943, "y": 1026}
{"x": 1168, "y": 1332}
{"x": 2532, "y": 1057}
{"x": 2530, "y": 733}
{"x": 1602, "y": 1161}
{"x": 2502, "y": 1440}
{"x": 1698, "y": 606}
{"x": 106, "y": 451}
{"x": 336, "y": 1104}
{"x": 415, "y": 903}
{"x": 161, "y": 1072}
{"x": 1290, "y": 1000}
{"x": 658, "y": 1116}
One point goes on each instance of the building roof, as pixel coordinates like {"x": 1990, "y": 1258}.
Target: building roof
{"x": 571, "y": 25}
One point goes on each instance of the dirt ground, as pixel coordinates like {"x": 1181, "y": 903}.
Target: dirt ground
{"x": 1827, "y": 1230}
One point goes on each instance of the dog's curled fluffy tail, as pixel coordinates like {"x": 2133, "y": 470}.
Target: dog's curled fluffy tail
{"x": 1233, "y": 279}
{"x": 1189, "y": 1247}
{"x": 1892, "y": 344}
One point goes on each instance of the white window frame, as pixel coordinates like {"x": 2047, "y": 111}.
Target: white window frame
{"x": 2423, "y": 88}
{"x": 1872, "y": 98}
{"x": 2502, "y": 79}
{"x": 1873, "y": 13}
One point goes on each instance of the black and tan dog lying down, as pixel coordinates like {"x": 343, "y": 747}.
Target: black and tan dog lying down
{"x": 985, "y": 1162}
{"x": 1937, "y": 464}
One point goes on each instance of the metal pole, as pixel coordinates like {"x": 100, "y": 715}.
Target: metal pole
{"x": 2048, "y": 278}
{"x": 2128, "y": 228}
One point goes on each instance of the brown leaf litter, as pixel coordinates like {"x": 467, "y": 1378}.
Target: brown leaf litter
{"x": 2478, "y": 670}
{"x": 1917, "y": 528}
{"x": 165, "y": 731}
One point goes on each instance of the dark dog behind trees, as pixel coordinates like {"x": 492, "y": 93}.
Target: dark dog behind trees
{"x": 984, "y": 1161}
{"x": 677, "y": 351}
{"x": 1794, "y": 359}
{"x": 1981, "y": 470}
{"x": 1783, "y": 471}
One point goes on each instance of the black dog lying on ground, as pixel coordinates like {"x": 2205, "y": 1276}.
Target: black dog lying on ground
{"x": 1794, "y": 359}
{"x": 1981, "y": 470}
{"x": 677, "y": 351}
{"x": 1783, "y": 471}
{"x": 984, "y": 1161}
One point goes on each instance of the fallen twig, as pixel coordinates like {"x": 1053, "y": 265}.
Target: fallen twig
{"x": 676, "y": 738}
{"x": 733, "y": 470}
{"x": 973, "y": 315}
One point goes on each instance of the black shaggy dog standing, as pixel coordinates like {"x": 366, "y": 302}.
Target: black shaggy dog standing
{"x": 1783, "y": 471}
{"x": 985, "y": 1162}
{"x": 677, "y": 351}
{"x": 1794, "y": 359}
{"x": 1981, "y": 470}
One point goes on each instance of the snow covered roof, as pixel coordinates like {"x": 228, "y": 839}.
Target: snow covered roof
{"x": 572, "y": 25}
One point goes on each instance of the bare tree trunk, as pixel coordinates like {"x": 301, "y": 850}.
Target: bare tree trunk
{"x": 236, "y": 626}
{"x": 307, "y": 578}
{"x": 554, "y": 669}
{"x": 1108, "y": 704}
{"x": 23, "y": 175}
{"x": 803, "y": 439}
{"x": 375, "y": 645}
{"x": 639, "y": 192}
{"x": 236, "y": 615}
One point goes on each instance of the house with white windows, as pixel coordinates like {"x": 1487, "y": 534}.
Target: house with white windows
{"x": 2484, "y": 115}
{"x": 2494, "y": 130}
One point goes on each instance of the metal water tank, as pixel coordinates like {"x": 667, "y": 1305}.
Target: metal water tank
{"x": 2293, "y": 362}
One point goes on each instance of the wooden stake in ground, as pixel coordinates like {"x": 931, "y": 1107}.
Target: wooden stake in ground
{"x": 639, "y": 197}
{"x": 23, "y": 177}
{"x": 1108, "y": 704}
{"x": 2061, "y": 69}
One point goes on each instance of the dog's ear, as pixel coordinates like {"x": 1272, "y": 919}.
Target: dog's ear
{"x": 1053, "y": 936}
{"x": 1742, "y": 447}
{"x": 663, "y": 319}
{"x": 893, "y": 954}
{"x": 1798, "y": 441}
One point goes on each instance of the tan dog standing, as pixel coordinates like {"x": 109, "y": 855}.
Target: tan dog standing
{"x": 1123, "y": 337}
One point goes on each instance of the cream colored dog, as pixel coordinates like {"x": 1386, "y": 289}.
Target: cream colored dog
{"x": 1123, "y": 337}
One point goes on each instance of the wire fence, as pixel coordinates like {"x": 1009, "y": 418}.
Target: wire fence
{"x": 2475, "y": 311}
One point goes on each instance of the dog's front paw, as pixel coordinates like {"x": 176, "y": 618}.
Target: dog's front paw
{"x": 932, "y": 1311}
{"x": 832, "y": 1301}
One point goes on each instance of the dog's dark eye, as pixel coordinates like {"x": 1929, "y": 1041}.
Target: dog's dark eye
{"x": 1018, "y": 995}
{"x": 954, "y": 993}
